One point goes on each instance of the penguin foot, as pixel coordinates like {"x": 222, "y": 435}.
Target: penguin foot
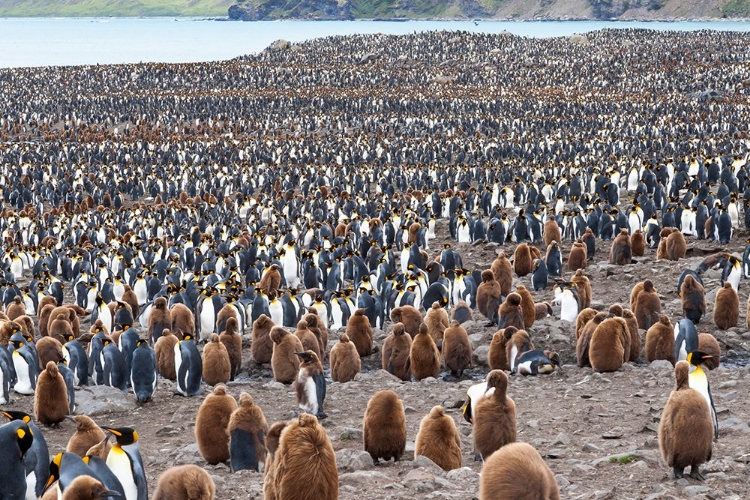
{"x": 696, "y": 474}
{"x": 678, "y": 472}
{"x": 321, "y": 416}
{"x": 477, "y": 457}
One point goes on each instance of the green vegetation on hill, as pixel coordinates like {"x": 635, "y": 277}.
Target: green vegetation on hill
{"x": 737, "y": 8}
{"x": 116, "y": 8}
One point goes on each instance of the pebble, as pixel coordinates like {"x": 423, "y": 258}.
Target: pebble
{"x": 613, "y": 433}
{"x": 692, "y": 491}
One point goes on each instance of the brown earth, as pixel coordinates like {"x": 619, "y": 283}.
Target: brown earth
{"x": 578, "y": 420}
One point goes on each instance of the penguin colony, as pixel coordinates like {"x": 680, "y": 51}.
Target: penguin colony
{"x": 139, "y": 243}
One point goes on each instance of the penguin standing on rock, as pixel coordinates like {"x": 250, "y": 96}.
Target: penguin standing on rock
{"x": 310, "y": 385}
{"x": 124, "y": 459}
{"x": 188, "y": 366}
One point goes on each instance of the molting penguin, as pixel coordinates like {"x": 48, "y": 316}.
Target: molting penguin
{"x": 384, "y": 427}
{"x": 522, "y": 260}
{"x": 461, "y": 312}
{"x": 284, "y": 361}
{"x": 494, "y": 417}
{"x": 497, "y": 357}
{"x": 517, "y": 471}
{"x": 583, "y": 288}
{"x": 211, "y": 425}
{"x": 620, "y": 252}
{"x": 510, "y": 312}
{"x": 686, "y": 428}
{"x": 247, "y": 431}
{"x": 310, "y": 384}
{"x": 439, "y": 440}
{"x": 693, "y": 299}
{"x": 396, "y": 353}
{"x": 424, "y": 356}
{"x": 188, "y": 366}
{"x": 344, "y": 360}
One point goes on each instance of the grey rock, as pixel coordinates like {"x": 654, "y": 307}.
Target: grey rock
{"x": 561, "y": 439}
{"x": 562, "y": 481}
{"x": 661, "y": 364}
{"x": 351, "y": 434}
{"x": 101, "y": 399}
{"x": 614, "y": 433}
{"x": 420, "y": 480}
{"x": 368, "y": 478}
{"x": 480, "y": 355}
{"x": 734, "y": 425}
{"x": 696, "y": 490}
{"x": 353, "y": 459}
{"x": 423, "y": 461}
{"x": 463, "y": 475}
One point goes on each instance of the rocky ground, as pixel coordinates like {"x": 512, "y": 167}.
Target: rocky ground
{"x": 597, "y": 432}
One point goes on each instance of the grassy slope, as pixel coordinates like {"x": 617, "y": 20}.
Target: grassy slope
{"x": 366, "y": 9}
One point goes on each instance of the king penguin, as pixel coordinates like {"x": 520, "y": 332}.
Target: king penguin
{"x": 311, "y": 384}
{"x": 15, "y": 441}
{"x": 143, "y": 371}
{"x": 36, "y": 459}
{"x": 26, "y": 365}
{"x": 125, "y": 461}
{"x": 685, "y": 339}
{"x": 699, "y": 382}
{"x": 188, "y": 366}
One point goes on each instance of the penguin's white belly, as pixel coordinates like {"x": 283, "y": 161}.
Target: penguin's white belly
{"x": 311, "y": 394}
{"x": 524, "y": 368}
{"x": 181, "y": 384}
{"x": 144, "y": 317}
{"x": 119, "y": 463}
{"x": 512, "y": 359}
{"x": 31, "y": 486}
{"x": 23, "y": 384}
{"x": 2, "y": 390}
{"x": 277, "y": 313}
{"x": 208, "y": 317}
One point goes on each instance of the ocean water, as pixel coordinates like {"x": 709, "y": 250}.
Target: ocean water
{"x": 72, "y": 41}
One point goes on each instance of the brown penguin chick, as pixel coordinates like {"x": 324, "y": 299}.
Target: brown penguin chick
{"x": 211, "y": 425}
{"x": 693, "y": 299}
{"x": 27, "y": 324}
{"x": 517, "y": 471}
{"x": 424, "y": 357}
{"x": 409, "y": 316}
{"x": 284, "y": 363}
{"x": 676, "y": 247}
{"x": 660, "y": 340}
{"x": 584, "y": 317}
{"x": 637, "y": 289}
{"x": 647, "y": 305}
{"x": 661, "y": 250}
{"x": 551, "y": 231}
{"x": 635, "y": 343}
{"x": 606, "y": 352}
{"x": 315, "y": 324}
{"x": 87, "y": 434}
{"x": 16, "y": 308}
{"x": 488, "y": 296}
{"x": 85, "y": 488}
{"x": 344, "y": 360}
{"x": 271, "y": 280}
{"x": 584, "y": 338}
{"x": 542, "y": 310}
{"x": 97, "y": 327}
{"x": 494, "y": 417}
{"x": 262, "y": 347}
{"x": 396, "y": 351}
{"x": 59, "y": 327}
{"x": 726, "y": 307}
{"x": 438, "y": 440}
{"x": 708, "y": 344}
{"x": 618, "y": 311}
{"x": 517, "y": 343}
{"x": 164, "y": 350}
{"x": 183, "y": 320}
{"x": 304, "y": 463}
{"x": 272, "y": 444}
{"x": 232, "y": 341}
{"x": 583, "y": 285}
{"x": 49, "y": 349}
{"x": 523, "y": 261}
{"x": 497, "y": 357}
{"x": 511, "y": 313}
{"x": 437, "y": 321}
{"x": 527, "y": 306}
{"x": 686, "y": 428}
{"x": 503, "y": 272}
{"x": 216, "y": 365}
{"x": 384, "y": 427}
{"x": 637, "y": 243}
{"x": 620, "y": 252}
{"x": 130, "y": 298}
{"x": 225, "y": 313}
{"x": 577, "y": 258}
{"x": 44, "y": 319}
{"x": 307, "y": 338}
{"x": 247, "y": 431}
{"x": 359, "y": 331}
{"x": 456, "y": 349}
{"x": 51, "y": 397}
{"x": 100, "y": 449}
{"x": 159, "y": 319}
{"x": 461, "y": 312}
{"x": 183, "y": 482}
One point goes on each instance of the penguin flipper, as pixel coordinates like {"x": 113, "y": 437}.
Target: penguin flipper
{"x": 320, "y": 389}
{"x": 242, "y": 452}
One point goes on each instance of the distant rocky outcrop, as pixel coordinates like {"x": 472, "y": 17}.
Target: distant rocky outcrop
{"x": 256, "y": 10}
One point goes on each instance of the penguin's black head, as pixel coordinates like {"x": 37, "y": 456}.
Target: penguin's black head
{"x": 696, "y": 358}
{"x": 307, "y": 356}
{"x": 123, "y": 435}
{"x": 17, "y": 415}
{"x": 24, "y": 437}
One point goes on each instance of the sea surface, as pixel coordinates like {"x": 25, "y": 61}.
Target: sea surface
{"x": 75, "y": 41}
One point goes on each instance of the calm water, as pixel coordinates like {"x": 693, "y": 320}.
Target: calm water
{"x": 65, "y": 41}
